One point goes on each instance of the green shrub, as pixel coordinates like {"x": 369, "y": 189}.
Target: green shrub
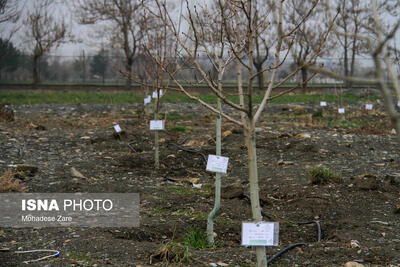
{"x": 317, "y": 114}
{"x": 178, "y": 128}
{"x": 320, "y": 175}
{"x": 196, "y": 238}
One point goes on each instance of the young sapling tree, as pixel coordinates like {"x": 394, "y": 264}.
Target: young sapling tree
{"x": 243, "y": 51}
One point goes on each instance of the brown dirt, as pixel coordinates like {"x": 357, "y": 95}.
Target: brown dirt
{"x": 360, "y": 208}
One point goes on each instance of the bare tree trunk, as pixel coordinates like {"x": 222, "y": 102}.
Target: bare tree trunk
{"x": 304, "y": 77}
{"x": 128, "y": 69}
{"x": 240, "y": 90}
{"x": 254, "y": 189}
{"x": 217, "y": 200}
{"x": 156, "y": 144}
{"x": 346, "y": 60}
{"x": 36, "y": 69}
{"x": 353, "y": 57}
{"x": 260, "y": 76}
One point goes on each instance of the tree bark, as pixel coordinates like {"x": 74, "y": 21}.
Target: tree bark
{"x": 346, "y": 57}
{"x": 217, "y": 199}
{"x": 36, "y": 69}
{"x": 156, "y": 144}
{"x": 240, "y": 90}
{"x": 128, "y": 69}
{"x": 353, "y": 55}
{"x": 254, "y": 189}
{"x": 304, "y": 77}
{"x": 260, "y": 76}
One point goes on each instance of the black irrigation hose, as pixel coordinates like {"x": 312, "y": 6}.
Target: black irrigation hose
{"x": 178, "y": 145}
{"x": 193, "y": 151}
{"x": 130, "y": 146}
{"x": 319, "y": 229}
{"x": 277, "y": 255}
{"x": 297, "y": 244}
{"x": 262, "y": 212}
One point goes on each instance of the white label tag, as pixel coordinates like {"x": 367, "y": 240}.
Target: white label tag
{"x": 369, "y": 106}
{"x": 117, "y": 128}
{"x": 217, "y": 164}
{"x": 398, "y": 103}
{"x": 260, "y": 234}
{"x": 341, "y": 110}
{"x": 322, "y": 103}
{"x": 147, "y": 100}
{"x": 155, "y": 93}
{"x": 156, "y": 125}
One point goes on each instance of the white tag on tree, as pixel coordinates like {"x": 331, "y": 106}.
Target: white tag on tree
{"x": 156, "y": 125}
{"x": 147, "y": 100}
{"x": 217, "y": 164}
{"x": 341, "y": 110}
{"x": 260, "y": 234}
{"x": 398, "y": 103}
{"x": 323, "y": 104}
{"x": 369, "y": 106}
{"x": 155, "y": 93}
{"x": 117, "y": 128}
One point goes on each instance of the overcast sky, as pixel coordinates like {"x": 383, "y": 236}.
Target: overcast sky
{"x": 87, "y": 40}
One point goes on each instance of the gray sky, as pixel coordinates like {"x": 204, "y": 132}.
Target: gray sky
{"x": 85, "y": 35}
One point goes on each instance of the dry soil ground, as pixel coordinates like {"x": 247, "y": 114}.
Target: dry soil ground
{"x": 357, "y": 146}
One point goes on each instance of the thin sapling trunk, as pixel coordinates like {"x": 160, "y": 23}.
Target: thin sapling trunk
{"x": 217, "y": 200}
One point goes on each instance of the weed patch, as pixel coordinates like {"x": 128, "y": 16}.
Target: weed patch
{"x": 178, "y": 128}
{"x": 324, "y": 176}
{"x": 172, "y": 252}
{"x": 9, "y": 184}
{"x": 196, "y": 238}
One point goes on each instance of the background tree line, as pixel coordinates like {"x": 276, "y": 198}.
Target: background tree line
{"x": 31, "y": 32}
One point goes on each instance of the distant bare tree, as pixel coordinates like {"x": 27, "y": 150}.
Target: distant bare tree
{"x": 262, "y": 43}
{"x": 126, "y": 17}
{"x": 377, "y": 35}
{"x": 352, "y": 15}
{"x": 308, "y": 35}
{"x": 81, "y": 66}
{"x": 9, "y": 10}
{"x": 43, "y": 32}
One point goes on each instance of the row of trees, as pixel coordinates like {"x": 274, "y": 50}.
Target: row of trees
{"x": 17, "y": 66}
{"x": 246, "y": 33}
{"x": 121, "y": 24}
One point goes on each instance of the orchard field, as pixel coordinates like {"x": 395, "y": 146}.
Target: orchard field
{"x": 342, "y": 170}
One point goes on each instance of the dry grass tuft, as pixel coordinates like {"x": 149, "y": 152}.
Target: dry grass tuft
{"x": 9, "y": 184}
{"x": 172, "y": 252}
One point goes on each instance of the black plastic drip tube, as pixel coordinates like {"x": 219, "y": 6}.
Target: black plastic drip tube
{"x": 193, "y": 151}
{"x": 284, "y": 250}
{"x": 319, "y": 229}
{"x": 130, "y": 146}
{"x": 277, "y": 255}
{"x": 319, "y": 232}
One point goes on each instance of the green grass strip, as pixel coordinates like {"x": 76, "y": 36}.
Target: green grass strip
{"x": 21, "y": 98}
